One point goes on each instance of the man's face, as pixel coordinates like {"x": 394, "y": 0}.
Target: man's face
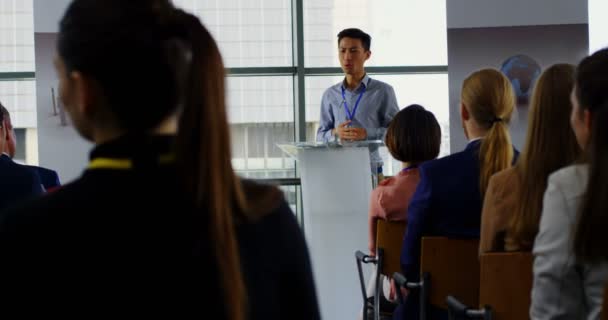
{"x": 352, "y": 56}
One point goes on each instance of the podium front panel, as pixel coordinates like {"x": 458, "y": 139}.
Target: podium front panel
{"x": 336, "y": 186}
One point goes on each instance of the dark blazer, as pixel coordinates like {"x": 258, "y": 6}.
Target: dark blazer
{"x": 447, "y": 202}
{"x": 49, "y": 178}
{"x": 155, "y": 246}
{"x": 17, "y": 182}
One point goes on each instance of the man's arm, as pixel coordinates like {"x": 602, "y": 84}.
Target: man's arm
{"x": 388, "y": 109}
{"x": 326, "y": 121}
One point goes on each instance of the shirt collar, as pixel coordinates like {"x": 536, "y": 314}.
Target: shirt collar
{"x": 476, "y": 139}
{"x": 365, "y": 82}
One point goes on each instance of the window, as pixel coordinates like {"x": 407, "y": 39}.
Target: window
{"x": 253, "y": 33}
{"x": 404, "y": 32}
{"x": 17, "y": 85}
{"x": 16, "y": 36}
{"x": 257, "y": 38}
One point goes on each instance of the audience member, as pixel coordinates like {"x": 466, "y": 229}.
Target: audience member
{"x": 17, "y": 182}
{"x": 570, "y": 252}
{"x": 413, "y": 137}
{"x": 513, "y": 202}
{"x": 145, "y": 83}
{"x": 448, "y": 199}
{"x": 48, "y": 177}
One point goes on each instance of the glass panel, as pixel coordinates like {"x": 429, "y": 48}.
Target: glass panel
{"x": 253, "y": 33}
{"x": 261, "y": 115}
{"x": 428, "y": 90}
{"x": 404, "y": 32}
{"x": 598, "y": 37}
{"x": 19, "y": 98}
{"x": 291, "y": 196}
{"x": 21, "y": 145}
{"x": 16, "y": 36}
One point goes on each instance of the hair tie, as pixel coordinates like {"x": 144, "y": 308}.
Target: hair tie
{"x": 497, "y": 119}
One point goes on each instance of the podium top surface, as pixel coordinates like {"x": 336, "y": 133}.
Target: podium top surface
{"x": 291, "y": 148}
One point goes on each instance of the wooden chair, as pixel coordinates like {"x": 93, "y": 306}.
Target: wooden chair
{"x": 389, "y": 238}
{"x": 505, "y": 287}
{"x": 447, "y": 267}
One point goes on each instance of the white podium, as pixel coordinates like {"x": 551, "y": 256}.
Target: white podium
{"x": 336, "y": 186}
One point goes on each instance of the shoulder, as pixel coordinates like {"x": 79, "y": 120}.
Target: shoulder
{"x": 24, "y": 173}
{"x": 377, "y": 84}
{"x": 43, "y": 170}
{"x": 445, "y": 163}
{"x": 260, "y": 199}
{"x": 571, "y": 180}
{"x": 332, "y": 91}
{"x": 267, "y": 211}
{"x": 505, "y": 178}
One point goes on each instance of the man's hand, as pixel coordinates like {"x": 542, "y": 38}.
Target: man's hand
{"x": 346, "y": 133}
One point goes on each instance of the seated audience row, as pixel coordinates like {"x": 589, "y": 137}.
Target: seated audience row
{"x": 568, "y": 113}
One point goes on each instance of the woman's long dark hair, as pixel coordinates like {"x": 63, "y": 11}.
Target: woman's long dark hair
{"x": 592, "y": 94}
{"x": 152, "y": 60}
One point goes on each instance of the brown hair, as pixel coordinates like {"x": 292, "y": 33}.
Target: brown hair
{"x": 550, "y": 145}
{"x": 489, "y": 98}
{"x": 414, "y": 135}
{"x": 102, "y": 38}
{"x": 592, "y": 95}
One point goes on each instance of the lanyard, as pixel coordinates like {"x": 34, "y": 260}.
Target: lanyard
{"x": 350, "y": 115}
{"x": 124, "y": 163}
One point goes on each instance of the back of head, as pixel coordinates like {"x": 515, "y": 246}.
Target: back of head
{"x": 490, "y": 100}
{"x": 550, "y": 145}
{"x": 414, "y": 135}
{"x": 125, "y": 47}
{"x": 152, "y": 60}
{"x": 366, "y": 39}
{"x": 591, "y": 92}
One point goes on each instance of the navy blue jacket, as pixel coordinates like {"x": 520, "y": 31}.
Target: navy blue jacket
{"x": 17, "y": 182}
{"x": 48, "y": 177}
{"x": 447, "y": 202}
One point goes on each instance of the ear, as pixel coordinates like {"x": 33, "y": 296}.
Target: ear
{"x": 6, "y": 132}
{"x": 587, "y": 119}
{"x": 464, "y": 112}
{"x": 368, "y": 54}
{"x": 84, "y": 93}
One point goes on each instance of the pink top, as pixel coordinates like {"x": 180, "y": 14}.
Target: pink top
{"x": 390, "y": 199}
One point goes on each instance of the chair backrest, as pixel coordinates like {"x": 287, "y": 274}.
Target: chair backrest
{"x": 389, "y": 237}
{"x": 453, "y": 265}
{"x": 506, "y": 284}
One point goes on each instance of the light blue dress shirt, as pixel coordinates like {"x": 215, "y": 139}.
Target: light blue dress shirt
{"x": 376, "y": 109}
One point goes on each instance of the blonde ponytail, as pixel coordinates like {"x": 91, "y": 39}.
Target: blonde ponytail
{"x": 490, "y": 99}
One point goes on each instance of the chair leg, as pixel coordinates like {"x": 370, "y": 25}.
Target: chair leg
{"x": 424, "y": 291}
{"x": 378, "y": 289}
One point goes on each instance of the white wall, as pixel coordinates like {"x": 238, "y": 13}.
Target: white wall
{"x": 47, "y": 14}
{"x": 503, "y": 13}
{"x": 598, "y": 25}
{"x": 59, "y": 148}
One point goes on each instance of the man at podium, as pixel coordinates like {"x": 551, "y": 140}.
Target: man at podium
{"x": 359, "y": 107}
